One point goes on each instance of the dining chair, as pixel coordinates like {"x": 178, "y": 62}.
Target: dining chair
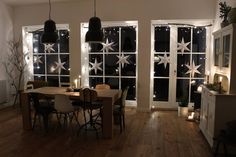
{"x": 93, "y": 107}
{"x": 227, "y": 137}
{"x": 42, "y": 108}
{"x": 102, "y": 86}
{"x": 37, "y": 83}
{"x": 119, "y": 108}
{"x": 64, "y": 109}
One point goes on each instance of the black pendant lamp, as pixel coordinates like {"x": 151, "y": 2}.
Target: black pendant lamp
{"x": 49, "y": 35}
{"x": 94, "y": 34}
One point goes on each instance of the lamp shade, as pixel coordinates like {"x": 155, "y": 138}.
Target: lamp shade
{"x": 94, "y": 34}
{"x": 50, "y": 35}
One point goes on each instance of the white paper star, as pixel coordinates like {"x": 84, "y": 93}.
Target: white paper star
{"x": 164, "y": 60}
{"x": 37, "y": 60}
{"x": 59, "y": 66}
{"x": 107, "y": 46}
{"x": 192, "y": 69}
{"x": 183, "y": 46}
{"x": 122, "y": 60}
{"x": 48, "y": 48}
{"x": 95, "y": 66}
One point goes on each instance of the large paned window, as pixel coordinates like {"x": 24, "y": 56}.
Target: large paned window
{"x": 179, "y": 54}
{"x": 114, "y": 61}
{"x": 50, "y": 62}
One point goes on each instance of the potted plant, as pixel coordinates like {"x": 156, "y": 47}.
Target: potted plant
{"x": 224, "y": 11}
{"x": 183, "y": 107}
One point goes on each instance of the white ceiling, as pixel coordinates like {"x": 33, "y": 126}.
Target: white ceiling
{"x": 27, "y": 2}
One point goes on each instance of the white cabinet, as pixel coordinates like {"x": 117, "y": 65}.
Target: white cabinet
{"x": 216, "y": 110}
{"x": 224, "y": 51}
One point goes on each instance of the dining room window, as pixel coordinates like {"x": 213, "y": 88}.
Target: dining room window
{"x": 114, "y": 61}
{"x": 180, "y": 59}
{"x": 48, "y": 62}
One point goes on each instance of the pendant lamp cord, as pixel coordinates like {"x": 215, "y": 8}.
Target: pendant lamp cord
{"x": 94, "y": 8}
{"x": 49, "y": 9}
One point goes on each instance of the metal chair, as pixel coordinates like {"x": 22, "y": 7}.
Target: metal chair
{"x": 93, "y": 107}
{"x": 42, "y": 108}
{"x": 226, "y": 137}
{"x": 119, "y": 109}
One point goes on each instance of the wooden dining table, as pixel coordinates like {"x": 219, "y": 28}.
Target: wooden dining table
{"x": 108, "y": 97}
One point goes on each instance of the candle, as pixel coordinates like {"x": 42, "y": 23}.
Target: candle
{"x": 191, "y": 116}
{"x": 220, "y": 79}
{"x": 76, "y": 83}
{"x": 79, "y": 80}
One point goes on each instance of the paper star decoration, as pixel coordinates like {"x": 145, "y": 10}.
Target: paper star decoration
{"x": 37, "y": 60}
{"x": 48, "y": 48}
{"x": 59, "y": 66}
{"x": 192, "y": 69}
{"x": 95, "y": 66}
{"x": 164, "y": 60}
{"x": 107, "y": 46}
{"x": 122, "y": 60}
{"x": 183, "y": 46}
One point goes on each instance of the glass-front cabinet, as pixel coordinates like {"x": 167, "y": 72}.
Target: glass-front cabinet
{"x": 222, "y": 47}
{"x": 224, "y": 57}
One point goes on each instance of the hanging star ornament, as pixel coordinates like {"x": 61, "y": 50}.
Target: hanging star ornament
{"x": 183, "y": 46}
{"x": 95, "y": 66}
{"x": 37, "y": 60}
{"x": 123, "y": 60}
{"x": 192, "y": 69}
{"x": 59, "y": 66}
{"x": 107, "y": 46}
{"x": 164, "y": 60}
{"x": 48, "y": 48}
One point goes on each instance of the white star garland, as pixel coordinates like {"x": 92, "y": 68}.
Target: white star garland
{"x": 48, "y": 48}
{"x": 95, "y": 66}
{"x": 107, "y": 46}
{"x": 164, "y": 60}
{"x": 183, "y": 46}
{"x": 192, "y": 69}
{"x": 122, "y": 60}
{"x": 59, "y": 66}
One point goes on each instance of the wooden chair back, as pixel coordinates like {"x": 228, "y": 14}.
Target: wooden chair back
{"x": 102, "y": 86}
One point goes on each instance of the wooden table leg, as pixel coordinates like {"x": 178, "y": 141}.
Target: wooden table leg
{"x": 107, "y": 118}
{"x": 26, "y": 113}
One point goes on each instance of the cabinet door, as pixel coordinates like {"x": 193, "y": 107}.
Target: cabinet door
{"x": 204, "y": 111}
{"x": 226, "y": 48}
{"x": 211, "y": 115}
{"x": 217, "y": 50}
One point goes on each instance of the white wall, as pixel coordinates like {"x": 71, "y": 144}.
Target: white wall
{"x": 231, "y": 3}
{"x": 6, "y": 34}
{"x": 143, "y": 11}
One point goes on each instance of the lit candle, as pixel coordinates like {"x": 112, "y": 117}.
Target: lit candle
{"x": 79, "y": 80}
{"x": 76, "y": 83}
{"x": 220, "y": 79}
{"x": 191, "y": 116}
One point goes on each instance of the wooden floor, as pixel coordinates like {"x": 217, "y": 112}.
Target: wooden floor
{"x": 155, "y": 134}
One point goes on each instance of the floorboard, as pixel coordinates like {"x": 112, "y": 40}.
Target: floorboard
{"x": 154, "y": 134}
